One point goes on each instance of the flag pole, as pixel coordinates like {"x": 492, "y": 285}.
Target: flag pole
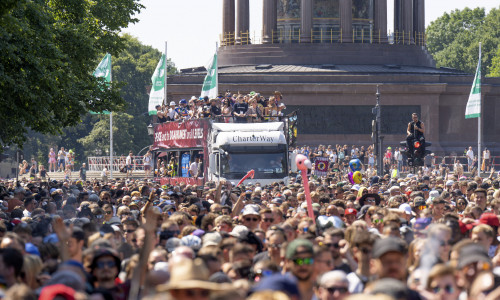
{"x": 166, "y": 68}
{"x": 479, "y": 127}
{"x": 217, "y": 70}
{"x": 111, "y": 129}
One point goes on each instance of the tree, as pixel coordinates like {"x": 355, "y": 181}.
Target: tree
{"x": 49, "y": 50}
{"x": 132, "y": 69}
{"x": 495, "y": 64}
{"x": 453, "y": 39}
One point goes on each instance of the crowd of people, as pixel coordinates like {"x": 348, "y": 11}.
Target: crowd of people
{"x": 419, "y": 236}
{"x": 238, "y": 108}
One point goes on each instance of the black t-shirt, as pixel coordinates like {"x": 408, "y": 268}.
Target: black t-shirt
{"x": 240, "y": 108}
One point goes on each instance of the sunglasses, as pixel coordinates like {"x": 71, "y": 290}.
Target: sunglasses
{"x": 303, "y": 261}
{"x": 461, "y": 203}
{"x": 377, "y": 221}
{"x": 447, "y": 288}
{"x": 331, "y": 290}
{"x": 425, "y": 190}
{"x": 274, "y": 246}
{"x": 270, "y": 220}
{"x": 251, "y": 219}
{"x": 109, "y": 212}
{"x": 334, "y": 245}
{"x": 370, "y": 200}
{"x": 422, "y": 207}
{"x": 130, "y": 230}
{"x": 104, "y": 264}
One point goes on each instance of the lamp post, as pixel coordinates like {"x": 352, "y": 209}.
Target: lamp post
{"x": 380, "y": 166}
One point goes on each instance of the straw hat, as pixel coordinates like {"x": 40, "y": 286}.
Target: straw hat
{"x": 190, "y": 274}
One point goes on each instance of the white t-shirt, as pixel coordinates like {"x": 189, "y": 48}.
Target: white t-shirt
{"x": 193, "y": 168}
{"x": 128, "y": 161}
{"x": 470, "y": 154}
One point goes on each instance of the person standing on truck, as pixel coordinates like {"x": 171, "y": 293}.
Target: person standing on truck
{"x": 182, "y": 111}
{"x": 415, "y": 131}
{"x": 193, "y": 168}
{"x": 240, "y": 110}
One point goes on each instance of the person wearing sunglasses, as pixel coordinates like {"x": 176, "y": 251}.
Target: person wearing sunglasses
{"x": 442, "y": 282}
{"x": 300, "y": 262}
{"x": 250, "y": 217}
{"x": 332, "y": 285}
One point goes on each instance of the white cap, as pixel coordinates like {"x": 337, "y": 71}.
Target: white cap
{"x": 172, "y": 103}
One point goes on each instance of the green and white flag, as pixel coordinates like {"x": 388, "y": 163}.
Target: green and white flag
{"x": 157, "y": 92}
{"x": 103, "y": 70}
{"x": 473, "y": 109}
{"x": 211, "y": 84}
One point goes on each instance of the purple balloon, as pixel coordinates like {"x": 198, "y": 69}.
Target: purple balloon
{"x": 351, "y": 180}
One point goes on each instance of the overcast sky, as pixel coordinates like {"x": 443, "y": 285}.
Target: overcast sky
{"x": 192, "y": 27}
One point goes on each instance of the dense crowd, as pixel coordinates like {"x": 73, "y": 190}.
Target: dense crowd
{"x": 239, "y": 108}
{"x": 413, "y": 237}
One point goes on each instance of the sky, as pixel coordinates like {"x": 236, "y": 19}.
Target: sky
{"x": 191, "y": 28}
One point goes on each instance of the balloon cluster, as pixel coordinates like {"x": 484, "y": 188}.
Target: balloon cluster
{"x": 355, "y": 176}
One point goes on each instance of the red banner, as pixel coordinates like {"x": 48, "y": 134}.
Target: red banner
{"x": 187, "y": 134}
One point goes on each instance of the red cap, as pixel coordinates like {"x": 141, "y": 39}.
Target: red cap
{"x": 489, "y": 219}
{"x": 51, "y": 291}
{"x": 350, "y": 211}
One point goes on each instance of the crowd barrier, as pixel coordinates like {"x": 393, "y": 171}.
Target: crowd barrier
{"x": 97, "y": 163}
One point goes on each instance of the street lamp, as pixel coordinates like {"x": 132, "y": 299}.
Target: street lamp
{"x": 151, "y": 130}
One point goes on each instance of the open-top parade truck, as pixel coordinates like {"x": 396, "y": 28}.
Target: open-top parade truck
{"x": 225, "y": 150}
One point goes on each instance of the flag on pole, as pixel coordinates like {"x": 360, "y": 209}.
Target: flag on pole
{"x": 157, "y": 92}
{"x": 473, "y": 109}
{"x": 210, "y": 85}
{"x": 103, "y": 70}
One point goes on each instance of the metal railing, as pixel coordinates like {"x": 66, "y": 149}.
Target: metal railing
{"x": 325, "y": 36}
{"x": 97, "y": 163}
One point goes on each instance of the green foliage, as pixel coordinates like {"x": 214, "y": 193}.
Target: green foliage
{"x": 453, "y": 39}
{"x": 132, "y": 71}
{"x": 49, "y": 50}
{"x": 495, "y": 64}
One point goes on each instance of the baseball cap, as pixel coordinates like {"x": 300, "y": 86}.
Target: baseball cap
{"x": 250, "y": 209}
{"x": 293, "y": 247}
{"x": 421, "y": 223}
{"x": 350, "y": 211}
{"x": 472, "y": 253}
{"x": 388, "y": 244}
{"x": 419, "y": 201}
{"x": 489, "y": 219}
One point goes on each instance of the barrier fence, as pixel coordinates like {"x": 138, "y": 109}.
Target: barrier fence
{"x": 449, "y": 161}
{"x": 326, "y": 36}
{"x": 97, "y": 163}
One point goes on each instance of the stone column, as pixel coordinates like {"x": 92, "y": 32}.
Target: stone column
{"x": 380, "y": 21}
{"x": 346, "y": 20}
{"x": 306, "y": 11}
{"x": 227, "y": 21}
{"x": 269, "y": 21}
{"x": 242, "y": 22}
{"x": 419, "y": 20}
{"x": 407, "y": 21}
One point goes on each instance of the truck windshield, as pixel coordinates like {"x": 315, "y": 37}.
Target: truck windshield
{"x": 265, "y": 165}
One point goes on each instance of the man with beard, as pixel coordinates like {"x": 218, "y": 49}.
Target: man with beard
{"x": 300, "y": 262}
